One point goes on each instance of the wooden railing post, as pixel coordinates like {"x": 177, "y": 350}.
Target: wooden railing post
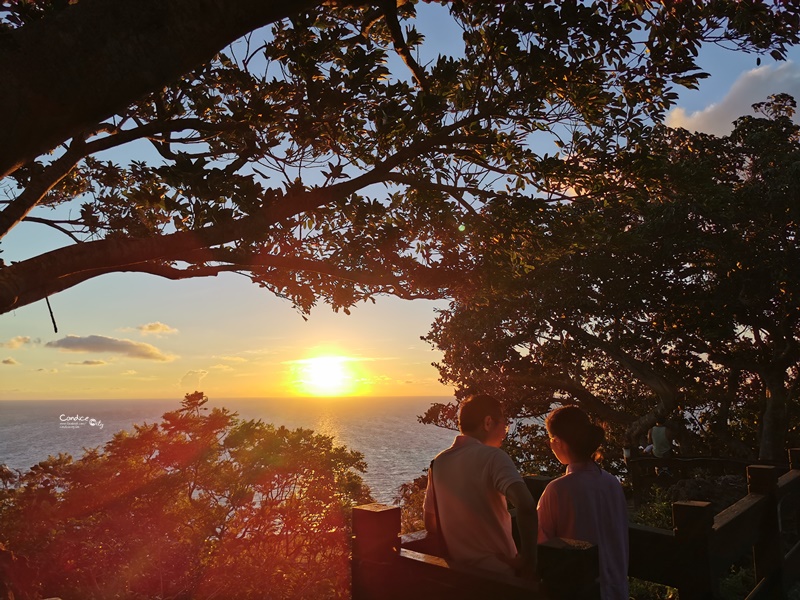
{"x": 693, "y": 523}
{"x": 767, "y": 551}
{"x": 794, "y": 520}
{"x": 376, "y": 542}
{"x": 569, "y": 569}
{"x": 794, "y": 458}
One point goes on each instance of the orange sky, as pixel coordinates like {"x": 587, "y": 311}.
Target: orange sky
{"x": 135, "y": 336}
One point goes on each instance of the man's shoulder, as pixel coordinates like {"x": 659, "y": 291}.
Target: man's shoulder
{"x": 465, "y": 446}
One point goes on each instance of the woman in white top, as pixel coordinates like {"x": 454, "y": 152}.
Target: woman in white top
{"x": 587, "y": 503}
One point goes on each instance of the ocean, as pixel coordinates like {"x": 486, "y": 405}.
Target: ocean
{"x": 395, "y": 445}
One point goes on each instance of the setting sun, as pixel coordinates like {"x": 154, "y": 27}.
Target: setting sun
{"x": 326, "y": 376}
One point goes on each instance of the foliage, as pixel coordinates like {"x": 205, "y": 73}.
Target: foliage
{"x": 656, "y": 512}
{"x": 302, "y": 156}
{"x": 665, "y": 287}
{"x": 410, "y": 496}
{"x": 200, "y": 505}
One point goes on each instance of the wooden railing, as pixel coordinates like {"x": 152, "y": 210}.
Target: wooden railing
{"x": 694, "y": 557}
{"x": 702, "y": 547}
{"x": 645, "y": 472}
{"x": 387, "y": 566}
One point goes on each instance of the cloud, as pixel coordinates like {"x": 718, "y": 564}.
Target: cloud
{"x": 232, "y": 358}
{"x": 101, "y": 343}
{"x": 16, "y": 342}
{"x": 751, "y": 87}
{"x": 156, "y": 328}
{"x": 89, "y": 363}
{"x": 192, "y": 379}
{"x": 221, "y": 367}
{"x": 10, "y": 361}
{"x": 129, "y": 372}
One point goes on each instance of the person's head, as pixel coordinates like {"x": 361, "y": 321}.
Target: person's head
{"x": 573, "y": 437}
{"x": 482, "y": 417}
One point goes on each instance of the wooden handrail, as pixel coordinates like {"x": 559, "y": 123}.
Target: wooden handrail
{"x": 693, "y": 557}
{"x": 387, "y": 566}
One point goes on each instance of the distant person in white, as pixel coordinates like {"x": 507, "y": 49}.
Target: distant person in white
{"x": 661, "y": 439}
{"x": 468, "y": 487}
{"x": 587, "y": 503}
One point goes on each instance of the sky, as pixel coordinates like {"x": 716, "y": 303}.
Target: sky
{"x": 134, "y": 336}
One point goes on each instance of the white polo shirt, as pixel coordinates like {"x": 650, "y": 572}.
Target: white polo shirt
{"x": 470, "y": 481}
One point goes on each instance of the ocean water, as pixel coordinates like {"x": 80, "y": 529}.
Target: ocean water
{"x": 395, "y": 445}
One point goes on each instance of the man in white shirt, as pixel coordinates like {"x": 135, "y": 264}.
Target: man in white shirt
{"x": 467, "y": 488}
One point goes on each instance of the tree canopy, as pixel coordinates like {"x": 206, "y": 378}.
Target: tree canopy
{"x": 200, "y": 505}
{"x": 668, "y": 287}
{"x": 303, "y": 156}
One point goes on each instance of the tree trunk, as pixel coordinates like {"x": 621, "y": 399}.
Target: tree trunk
{"x": 773, "y": 422}
{"x": 77, "y": 67}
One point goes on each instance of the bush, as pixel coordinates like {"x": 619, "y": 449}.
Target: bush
{"x": 200, "y": 505}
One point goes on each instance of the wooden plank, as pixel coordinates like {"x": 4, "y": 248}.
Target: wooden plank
{"x": 569, "y": 568}
{"x": 693, "y": 527}
{"x": 735, "y": 529}
{"x": 690, "y": 462}
{"x": 788, "y": 483}
{"x": 652, "y": 552}
{"x": 569, "y": 571}
{"x": 425, "y": 576}
{"x": 791, "y": 565}
{"x": 419, "y": 541}
{"x": 767, "y": 551}
{"x": 767, "y": 589}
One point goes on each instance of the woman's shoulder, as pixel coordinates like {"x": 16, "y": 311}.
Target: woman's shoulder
{"x": 606, "y": 475}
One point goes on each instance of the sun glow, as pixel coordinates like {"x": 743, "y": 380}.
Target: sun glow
{"x": 326, "y": 376}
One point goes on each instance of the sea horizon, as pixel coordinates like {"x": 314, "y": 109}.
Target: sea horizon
{"x": 385, "y": 429}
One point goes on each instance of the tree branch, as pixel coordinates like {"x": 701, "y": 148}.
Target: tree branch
{"x": 389, "y": 9}
{"x": 20, "y": 207}
{"x": 61, "y": 77}
{"x": 55, "y": 226}
{"x": 31, "y": 280}
{"x": 241, "y": 264}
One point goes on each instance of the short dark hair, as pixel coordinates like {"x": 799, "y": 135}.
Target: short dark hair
{"x": 572, "y": 425}
{"x": 475, "y": 408}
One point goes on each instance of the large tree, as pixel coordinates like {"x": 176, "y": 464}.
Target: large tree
{"x": 667, "y": 286}
{"x": 199, "y": 505}
{"x": 298, "y": 157}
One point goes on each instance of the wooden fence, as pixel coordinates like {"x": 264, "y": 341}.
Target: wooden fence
{"x": 645, "y": 472}
{"x": 694, "y": 557}
{"x": 387, "y": 566}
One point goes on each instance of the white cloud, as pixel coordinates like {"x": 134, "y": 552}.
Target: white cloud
{"x": 129, "y": 372}
{"x": 232, "y": 358}
{"x": 156, "y": 328}
{"x": 10, "y": 361}
{"x": 192, "y": 379}
{"x": 89, "y": 363}
{"x": 221, "y": 367}
{"x": 16, "y": 342}
{"x": 101, "y": 343}
{"x": 751, "y": 87}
